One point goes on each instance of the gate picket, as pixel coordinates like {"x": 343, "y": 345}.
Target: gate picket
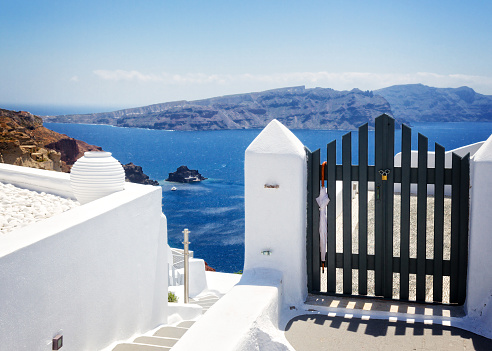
{"x": 331, "y": 186}
{"x": 388, "y": 189}
{"x": 378, "y": 207}
{"x": 438, "y": 222}
{"x": 455, "y": 228}
{"x": 421, "y": 216}
{"x": 463, "y": 241}
{"x": 313, "y": 250}
{"x": 347, "y": 212}
{"x": 363, "y": 161}
{"x": 406, "y": 154}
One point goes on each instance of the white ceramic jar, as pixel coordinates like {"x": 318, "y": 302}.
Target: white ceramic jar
{"x": 95, "y": 175}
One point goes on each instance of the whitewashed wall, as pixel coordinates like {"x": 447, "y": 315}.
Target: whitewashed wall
{"x": 56, "y": 183}
{"x": 276, "y": 217}
{"x": 431, "y": 162}
{"x": 96, "y": 273}
{"x": 245, "y": 319}
{"x": 479, "y": 284}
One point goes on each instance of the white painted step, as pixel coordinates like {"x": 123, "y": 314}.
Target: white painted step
{"x": 206, "y": 302}
{"x": 186, "y": 324}
{"x": 162, "y": 340}
{"x": 156, "y": 341}
{"x": 206, "y": 298}
{"x": 170, "y": 332}
{"x": 139, "y": 347}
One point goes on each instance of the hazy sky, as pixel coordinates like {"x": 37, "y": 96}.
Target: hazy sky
{"x": 132, "y": 53}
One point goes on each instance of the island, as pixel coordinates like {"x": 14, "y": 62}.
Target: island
{"x": 135, "y": 174}
{"x": 185, "y": 175}
{"x": 302, "y": 108}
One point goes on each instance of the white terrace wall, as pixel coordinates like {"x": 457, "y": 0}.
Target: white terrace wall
{"x": 275, "y": 208}
{"x": 96, "y": 273}
{"x": 245, "y": 319}
{"x": 479, "y": 285}
{"x": 431, "y": 162}
{"x": 56, "y": 183}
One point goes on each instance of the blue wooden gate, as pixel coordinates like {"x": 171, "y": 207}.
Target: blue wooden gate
{"x": 382, "y": 176}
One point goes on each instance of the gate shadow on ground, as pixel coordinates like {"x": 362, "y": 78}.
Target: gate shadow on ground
{"x": 364, "y": 303}
{"x": 355, "y": 331}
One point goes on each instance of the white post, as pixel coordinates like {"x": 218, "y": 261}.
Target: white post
{"x": 186, "y": 266}
{"x": 275, "y": 208}
{"x": 479, "y": 283}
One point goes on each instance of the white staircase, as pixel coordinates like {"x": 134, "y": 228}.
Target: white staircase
{"x": 165, "y": 337}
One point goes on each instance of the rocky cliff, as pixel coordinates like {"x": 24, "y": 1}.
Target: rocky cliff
{"x": 296, "y": 108}
{"x": 300, "y": 108}
{"x": 25, "y": 142}
{"x": 420, "y": 103}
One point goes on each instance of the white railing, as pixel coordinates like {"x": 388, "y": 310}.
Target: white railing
{"x": 176, "y": 270}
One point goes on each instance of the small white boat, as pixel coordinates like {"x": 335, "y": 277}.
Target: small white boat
{"x": 173, "y": 188}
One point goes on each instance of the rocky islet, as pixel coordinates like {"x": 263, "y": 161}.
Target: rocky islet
{"x": 135, "y": 174}
{"x": 185, "y": 175}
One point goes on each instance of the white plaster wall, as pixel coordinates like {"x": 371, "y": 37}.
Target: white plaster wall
{"x": 431, "y": 155}
{"x": 96, "y": 273}
{"x": 431, "y": 162}
{"x": 52, "y": 182}
{"x": 479, "y": 284}
{"x": 198, "y": 280}
{"x": 276, "y": 217}
{"x": 179, "y": 311}
{"x": 339, "y": 192}
{"x": 245, "y": 319}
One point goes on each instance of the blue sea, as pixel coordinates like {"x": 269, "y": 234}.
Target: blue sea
{"x": 213, "y": 210}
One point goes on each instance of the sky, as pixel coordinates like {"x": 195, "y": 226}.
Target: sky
{"x": 107, "y": 55}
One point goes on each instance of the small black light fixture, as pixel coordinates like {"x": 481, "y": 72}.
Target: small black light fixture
{"x": 57, "y": 342}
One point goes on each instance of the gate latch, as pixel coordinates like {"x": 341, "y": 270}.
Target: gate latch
{"x": 384, "y": 174}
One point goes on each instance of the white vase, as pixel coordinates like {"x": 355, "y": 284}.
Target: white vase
{"x": 95, "y": 175}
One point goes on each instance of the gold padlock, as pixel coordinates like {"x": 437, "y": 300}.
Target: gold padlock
{"x": 385, "y": 177}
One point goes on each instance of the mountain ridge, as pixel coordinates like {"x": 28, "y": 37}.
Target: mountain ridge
{"x": 300, "y": 108}
{"x": 421, "y": 103}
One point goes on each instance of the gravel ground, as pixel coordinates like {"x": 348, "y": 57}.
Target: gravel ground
{"x": 396, "y": 244}
{"x": 21, "y": 207}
